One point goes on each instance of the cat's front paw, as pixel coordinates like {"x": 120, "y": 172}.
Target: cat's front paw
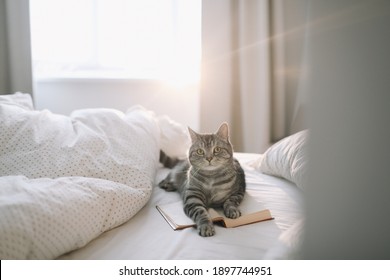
{"x": 232, "y": 212}
{"x": 206, "y": 230}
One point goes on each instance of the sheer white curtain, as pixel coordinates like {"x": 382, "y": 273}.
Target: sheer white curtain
{"x": 252, "y": 65}
{"x": 15, "y": 51}
{"x": 130, "y": 39}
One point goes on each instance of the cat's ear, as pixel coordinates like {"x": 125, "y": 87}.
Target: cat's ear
{"x": 223, "y": 131}
{"x": 193, "y": 135}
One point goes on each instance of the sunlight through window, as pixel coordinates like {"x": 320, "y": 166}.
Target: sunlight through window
{"x": 131, "y": 39}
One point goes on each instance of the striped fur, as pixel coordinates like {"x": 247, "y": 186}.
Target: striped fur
{"x": 210, "y": 177}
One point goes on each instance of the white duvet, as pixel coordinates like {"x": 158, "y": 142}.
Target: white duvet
{"x": 65, "y": 180}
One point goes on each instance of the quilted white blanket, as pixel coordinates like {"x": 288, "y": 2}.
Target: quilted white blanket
{"x": 65, "y": 180}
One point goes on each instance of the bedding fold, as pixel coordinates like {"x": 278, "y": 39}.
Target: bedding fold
{"x": 65, "y": 180}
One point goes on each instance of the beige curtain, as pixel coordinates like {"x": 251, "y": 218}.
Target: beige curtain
{"x": 235, "y": 80}
{"x": 15, "y": 50}
{"x": 251, "y": 70}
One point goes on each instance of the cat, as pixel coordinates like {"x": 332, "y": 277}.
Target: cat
{"x": 209, "y": 177}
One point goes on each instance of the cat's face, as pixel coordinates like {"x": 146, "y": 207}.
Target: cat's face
{"x": 210, "y": 151}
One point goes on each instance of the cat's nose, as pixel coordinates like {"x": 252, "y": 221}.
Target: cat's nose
{"x": 209, "y": 159}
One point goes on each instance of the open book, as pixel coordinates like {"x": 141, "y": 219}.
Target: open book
{"x": 251, "y": 212}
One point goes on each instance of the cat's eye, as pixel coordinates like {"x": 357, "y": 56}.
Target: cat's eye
{"x": 217, "y": 150}
{"x": 200, "y": 152}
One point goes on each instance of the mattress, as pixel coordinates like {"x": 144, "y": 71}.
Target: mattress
{"x": 148, "y": 236}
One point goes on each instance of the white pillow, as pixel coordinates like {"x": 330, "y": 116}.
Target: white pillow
{"x": 174, "y": 137}
{"x": 287, "y": 158}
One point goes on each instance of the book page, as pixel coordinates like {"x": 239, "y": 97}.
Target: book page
{"x": 251, "y": 211}
{"x": 176, "y": 214}
{"x": 246, "y": 219}
{"x": 248, "y": 205}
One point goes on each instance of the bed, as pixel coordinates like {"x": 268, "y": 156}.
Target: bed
{"x": 84, "y": 186}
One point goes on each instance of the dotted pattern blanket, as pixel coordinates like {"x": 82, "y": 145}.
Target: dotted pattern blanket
{"x": 64, "y": 180}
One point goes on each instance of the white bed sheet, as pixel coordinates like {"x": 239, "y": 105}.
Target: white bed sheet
{"x": 148, "y": 236}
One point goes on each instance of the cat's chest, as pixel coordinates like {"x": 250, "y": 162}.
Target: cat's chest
{"x": 218, "y": 192}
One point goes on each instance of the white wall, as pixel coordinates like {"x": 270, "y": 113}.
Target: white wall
{"x": 62, "y": 96}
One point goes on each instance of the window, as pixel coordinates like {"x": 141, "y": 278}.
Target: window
{"x": 131, "y": 39}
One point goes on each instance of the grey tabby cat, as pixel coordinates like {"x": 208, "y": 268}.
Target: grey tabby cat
{"x": 210, "y": 177}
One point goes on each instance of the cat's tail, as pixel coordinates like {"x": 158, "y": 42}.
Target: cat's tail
{"x": 168, "y": 161}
